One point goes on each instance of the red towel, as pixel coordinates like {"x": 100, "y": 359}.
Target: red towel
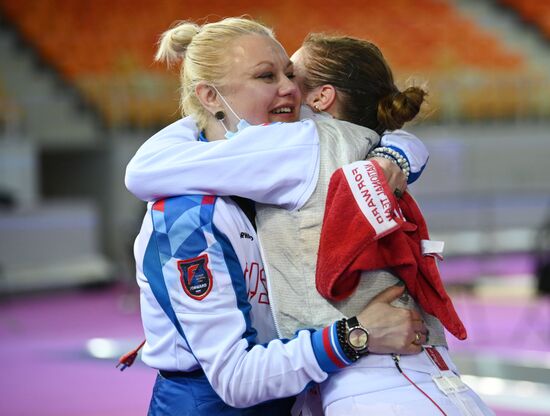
{"x": 367, "y": 228}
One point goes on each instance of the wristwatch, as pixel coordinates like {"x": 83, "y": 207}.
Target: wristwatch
{"x": 357, "y": 336}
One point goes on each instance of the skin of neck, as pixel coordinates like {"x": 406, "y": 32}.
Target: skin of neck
{"x": 214, "y": 130}
{"x": 334, "y": 109}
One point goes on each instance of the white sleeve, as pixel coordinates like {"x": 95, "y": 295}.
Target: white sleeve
{"x": 273, "y": 164}
{"x": 410, "y": 147}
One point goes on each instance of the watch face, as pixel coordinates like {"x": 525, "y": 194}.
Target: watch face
{"x": 358, "y": 338}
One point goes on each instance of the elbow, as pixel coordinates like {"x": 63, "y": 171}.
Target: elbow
{"x": 236, "y": 404}
{"x": 131, "y": 183}
{"x": 129, "y": 179}
{"x": 235, "y": 398}
{"x": 234, "y": 393}
{"x": 136, "y": 185}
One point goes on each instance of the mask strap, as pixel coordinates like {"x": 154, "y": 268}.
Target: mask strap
{"x": 223, "y": 124}
{"x": 227, "y": 104}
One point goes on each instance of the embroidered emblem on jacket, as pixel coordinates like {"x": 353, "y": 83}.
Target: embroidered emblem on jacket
{"x": 195, "y": 276}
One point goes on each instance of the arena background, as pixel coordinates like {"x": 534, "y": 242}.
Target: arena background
{"x": 79, "y": 93}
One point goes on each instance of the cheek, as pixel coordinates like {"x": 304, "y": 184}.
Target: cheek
{"x": 308, "y": 97}
{"x": 299, "y": 93}
{"x": 258, "y": 106}
{"x": 254, "y": 112}
{"x": 299, "y": 82}
{"x": 258, "y": 117}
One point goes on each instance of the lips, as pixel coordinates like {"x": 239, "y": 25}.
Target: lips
{"x": 285, "y": 109}
{"x": 286, "y": 112}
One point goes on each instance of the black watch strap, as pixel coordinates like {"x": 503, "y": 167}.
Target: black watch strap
{"x": 342, "y": 332}
{"x": 353, "y": 321}
{"x": 357, "y": 336}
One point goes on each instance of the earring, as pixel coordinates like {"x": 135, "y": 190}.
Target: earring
{"x": 220, "y": 115}
{"x": 316, "y": 108}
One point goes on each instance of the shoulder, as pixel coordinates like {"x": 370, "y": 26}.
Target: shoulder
{"x": 305, "y": 126}
{"x": 183, "y": 129}
{"x": 340, "y": 128}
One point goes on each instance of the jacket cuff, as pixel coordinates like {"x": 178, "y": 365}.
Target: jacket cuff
{"x": 327, "y": 349}
{"x": 415, "y": 171}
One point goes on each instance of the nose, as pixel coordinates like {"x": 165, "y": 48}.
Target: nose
{"x": 288, "y": 87}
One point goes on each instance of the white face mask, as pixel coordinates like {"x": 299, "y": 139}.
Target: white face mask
{"x": 241, "y": 125}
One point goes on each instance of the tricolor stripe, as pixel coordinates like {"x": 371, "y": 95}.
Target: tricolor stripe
{"x": 336, "y": 345}
{"x": 159, "y": 205}
{"x": 327, "y": 350}
{"x": 208, "y": 200}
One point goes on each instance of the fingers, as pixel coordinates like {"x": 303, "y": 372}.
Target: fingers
{"x": 415, "y": 334}
{"x": 418, "y": 327}
{"x": 389, "y": 295}
{"x": 398, "y": 180}
{"x": 417, "y": 337}
{"x": 402, "y": 182}
{"x": 393, "y": 329}
{"x": 415, "y": 315}
{"x": 412, "y": 349}
{"x": 420, "y": 338}
{"x": 416, "y": 344}
{"x": 413, "y": 344}
{"x": 392, "y": 172}
{"x": 399, "y": 184}
{"x": 394, "y": 176}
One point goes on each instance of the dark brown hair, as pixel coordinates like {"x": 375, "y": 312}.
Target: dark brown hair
{"x": 363, "y": 80}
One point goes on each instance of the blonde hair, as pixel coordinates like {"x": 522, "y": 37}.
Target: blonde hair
{"x": 364, "y": 80}
{"x": 202, "y": 51}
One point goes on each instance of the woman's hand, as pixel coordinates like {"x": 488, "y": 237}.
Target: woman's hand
{"x": 391, "y": 329}
{"x": 394, "y": 175}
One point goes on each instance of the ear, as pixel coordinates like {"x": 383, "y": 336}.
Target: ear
{"x": 208, "y": 97}
{"x": 322, "y": 98}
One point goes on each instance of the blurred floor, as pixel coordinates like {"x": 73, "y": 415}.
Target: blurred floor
{"x": 48, "y": 344}
{"x": 44, "y": 350}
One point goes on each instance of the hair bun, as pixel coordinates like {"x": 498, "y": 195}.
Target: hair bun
{"x": 174, "y": 42}
{"x": 398, "y": 107}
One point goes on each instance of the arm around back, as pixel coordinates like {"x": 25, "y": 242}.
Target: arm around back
{"x": 272, "y": 164}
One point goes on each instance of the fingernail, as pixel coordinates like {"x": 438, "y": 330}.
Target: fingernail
{"x": 404, "y": 298}
{"x": 401, "y": 283}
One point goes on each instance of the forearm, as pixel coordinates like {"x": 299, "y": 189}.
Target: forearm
{"x": 244, "y": 376}
{"x": 282, "y": 159}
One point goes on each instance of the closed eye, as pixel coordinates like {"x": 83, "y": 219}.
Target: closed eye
{"x": 267, "y": 76}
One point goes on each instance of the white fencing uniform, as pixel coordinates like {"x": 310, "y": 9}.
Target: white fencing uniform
{"x": 290, "y": 241}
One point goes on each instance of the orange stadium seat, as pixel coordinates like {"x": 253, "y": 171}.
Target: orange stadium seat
{"x": 106, "y": 48}
{"x": 536, "y": 12}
